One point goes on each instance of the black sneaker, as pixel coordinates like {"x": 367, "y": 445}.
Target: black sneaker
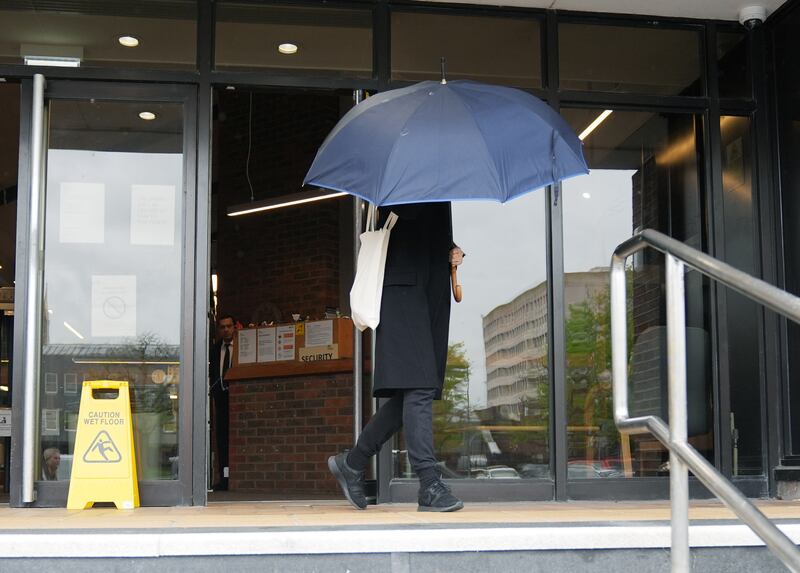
{"x": 438, "y": 497}
{"x": 350, "y": 480}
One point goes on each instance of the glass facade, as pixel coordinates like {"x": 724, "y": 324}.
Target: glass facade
{"x": 493, "y": 421}
{"x": 152, "y": 33}
{"x": 469, "y": 47}
{"x": 325, "y": 41}
{"x": 651, "y": 168}
{"x": 629, "y": 59}
{"x": 644, "y": 175}
{"x": 112, "y": 273}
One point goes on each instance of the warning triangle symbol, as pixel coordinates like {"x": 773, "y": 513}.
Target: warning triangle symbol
{"x": 102, "y": 450}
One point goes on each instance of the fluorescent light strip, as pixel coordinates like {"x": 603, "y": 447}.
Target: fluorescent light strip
{"x": 73, "y": 331}
{"x": 277, "y": 203}
{"x": 56, "y": 62}
{"x": 132, "y": 362}
{"x": 592, "y": 126}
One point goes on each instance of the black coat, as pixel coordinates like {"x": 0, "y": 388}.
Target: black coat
{"x": 214, "y": 359}
{"x": 411, "y": 346}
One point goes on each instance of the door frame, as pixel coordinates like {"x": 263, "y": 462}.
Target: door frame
{"x": 192, "y": 390}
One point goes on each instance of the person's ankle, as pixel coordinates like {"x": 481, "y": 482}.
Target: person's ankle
{"x": 356, "y": 460}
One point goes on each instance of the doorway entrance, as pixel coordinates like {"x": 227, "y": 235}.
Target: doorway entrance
{"x": 281, "y": 271}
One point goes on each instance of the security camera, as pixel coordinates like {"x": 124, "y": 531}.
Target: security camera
{"x": 752, "y": 16}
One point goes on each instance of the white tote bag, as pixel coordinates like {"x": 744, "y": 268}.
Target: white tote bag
{"x": 365, "y": 296}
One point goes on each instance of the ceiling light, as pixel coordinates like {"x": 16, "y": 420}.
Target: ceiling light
{"x": 287, "y": 48}
{"x": 54, "y": 62}
{"x": 586, "y": 195}
{"x": 283, "y": 201}
{"x": 592, "y": 126}
{"x": 51, "y": 55}
{"x": 147, "y": 115}
{"x": 129, "y": 41}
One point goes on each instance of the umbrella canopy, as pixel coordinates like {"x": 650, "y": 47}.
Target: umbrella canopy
{"x": 436, "y": 141}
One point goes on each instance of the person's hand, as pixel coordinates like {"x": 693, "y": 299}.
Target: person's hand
{"x": 456, "y": 256}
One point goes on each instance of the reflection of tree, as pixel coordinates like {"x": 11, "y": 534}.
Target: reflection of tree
{"x": 453, "y": 408}
{"x": 588, "y": 341}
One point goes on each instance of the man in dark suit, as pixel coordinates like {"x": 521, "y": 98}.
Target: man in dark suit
{"x": 411, "y": 353}
{"x": 219, "y": 361}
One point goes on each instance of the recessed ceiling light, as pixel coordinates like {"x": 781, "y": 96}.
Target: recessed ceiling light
{"x": 147, "y": 115}
{"x": 129, "y": 41}
{"x": 287, "y": 48}
{"x": 586, "y": 195}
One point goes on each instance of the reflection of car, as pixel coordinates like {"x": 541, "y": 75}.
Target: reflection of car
{"x": 497, "y": 472}
{"x": 582, "y": 470}
{"x": 534, "y": 471}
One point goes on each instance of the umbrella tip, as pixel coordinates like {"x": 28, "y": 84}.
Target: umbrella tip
{"x": 443, "y": 63}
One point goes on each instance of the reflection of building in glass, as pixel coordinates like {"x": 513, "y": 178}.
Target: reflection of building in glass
{"x": 152, "y": 370}
{"x": 515, "y": 342}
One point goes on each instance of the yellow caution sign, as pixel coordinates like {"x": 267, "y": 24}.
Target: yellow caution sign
{"x": 104, "y": 467}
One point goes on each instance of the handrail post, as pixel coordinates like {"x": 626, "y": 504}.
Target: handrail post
{"x": 676, "y": 372}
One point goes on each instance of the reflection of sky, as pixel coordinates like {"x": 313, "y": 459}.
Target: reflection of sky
{"x": 506, "y": 250}
{"x": 69, "y": 267}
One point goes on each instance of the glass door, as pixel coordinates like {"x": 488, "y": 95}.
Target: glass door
{"x": 113, "y": 295}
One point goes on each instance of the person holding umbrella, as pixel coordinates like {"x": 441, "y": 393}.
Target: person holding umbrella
{"x": 413, "y": 150}
{"x": 411, "y": 353}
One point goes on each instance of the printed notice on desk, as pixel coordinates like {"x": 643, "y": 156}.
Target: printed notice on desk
{"x": 247, "y": 346}
{"x": 266, "y": 344}
{"x": 285, "y": 342}
{"x": 319, "y": 333}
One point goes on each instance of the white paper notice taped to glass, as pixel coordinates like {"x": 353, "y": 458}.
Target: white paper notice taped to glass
{"x": 114, "y": 305}
{"x": 81, "y": 213}
{"x": 153, "y": 215}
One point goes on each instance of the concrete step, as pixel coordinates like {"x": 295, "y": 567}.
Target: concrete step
{"x": 617, "y": 547}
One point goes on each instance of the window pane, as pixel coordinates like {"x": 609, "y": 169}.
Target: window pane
{"x": 629, "y": 59}
{"x": 787, "y": 81}
{"x": 166, "y": 31}
{"x": 470, "y": 46}
{"x": 733, "y": 62}
{"x": 493, "y": 420}
{"x": 112, "y": 273}
{"x": 329, "y": 41}
{"x": 743, "y": 337}
{"x": 644, "y": 174}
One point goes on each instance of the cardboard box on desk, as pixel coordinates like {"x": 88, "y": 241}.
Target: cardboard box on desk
{"x": 312, "y": 341}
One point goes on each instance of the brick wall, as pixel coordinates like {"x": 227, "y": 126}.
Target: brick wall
{"x": 282, "y": 431}
{"x": 275, "y": 263}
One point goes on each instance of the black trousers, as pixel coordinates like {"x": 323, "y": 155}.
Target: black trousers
{"x": 411, "y": 410}
{"x": 221, "y": 409}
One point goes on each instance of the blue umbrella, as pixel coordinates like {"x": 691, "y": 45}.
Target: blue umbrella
{"x": 443, "y": 141}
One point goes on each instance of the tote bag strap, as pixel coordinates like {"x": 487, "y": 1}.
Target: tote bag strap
{"x": 390, "y": 221}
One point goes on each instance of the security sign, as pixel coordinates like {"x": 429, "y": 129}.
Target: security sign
{"x": 104, "y": 467}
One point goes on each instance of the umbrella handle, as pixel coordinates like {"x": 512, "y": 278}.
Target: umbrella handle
{"x": 454, "y": 284}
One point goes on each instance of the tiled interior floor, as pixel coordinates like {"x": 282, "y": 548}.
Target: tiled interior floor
{"x": 226, "y": 515}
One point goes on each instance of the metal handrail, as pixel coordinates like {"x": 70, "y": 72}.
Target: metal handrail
{"x": 674, "y": 437}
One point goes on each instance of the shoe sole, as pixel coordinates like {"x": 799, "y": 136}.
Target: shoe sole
{"x": 454, "y": 507}
{"x": 342, "y": 482}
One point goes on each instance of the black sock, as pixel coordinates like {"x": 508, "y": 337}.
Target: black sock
{"x": 427, "y": 477}
{"x": 357, "y": 460}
